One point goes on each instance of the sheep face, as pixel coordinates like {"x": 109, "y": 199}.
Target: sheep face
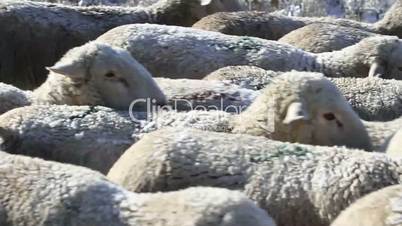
{"x": 321, "y": 116}
{"x": 384, "y": 56}
{"x": 389, "y": 65}
{"x": 120, "y": 79}
{"x": 305, "y": 108}
{"x": 332, "y": 121}
{"x": 108, "y": 74}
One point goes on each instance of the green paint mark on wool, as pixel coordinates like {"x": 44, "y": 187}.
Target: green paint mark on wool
{"x": 280, "y": 152}
{"x": 244, "y": 43}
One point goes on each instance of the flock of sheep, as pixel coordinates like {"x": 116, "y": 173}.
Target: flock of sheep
{"x": 298, "y": 120}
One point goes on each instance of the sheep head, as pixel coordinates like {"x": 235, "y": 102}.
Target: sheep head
{"x": 100, "y": 74}
{"x": 304, "y": 107}
{"x": 381, "y": 55}
{"x": 391, "y": 24}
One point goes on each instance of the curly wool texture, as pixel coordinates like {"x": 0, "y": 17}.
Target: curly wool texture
{"x": 48, "y": 193}
{"x": 379, "y": 208}
{"x": 24, "y": 24}
{"x": 266, "y": 25}
{"x": 179, "y": 52}
{"x": 79, "y": 78}
{"x": 94, "y": 137}
{"x": 323, "y": 37}
{"x": 381, "y": 132}
{"x": 374, "y": 99}
{"x": 87, "y": 135}
{"x": 250, "y": 77}
{"x": 298, "y": 185}
{"x": 12, "y": 97}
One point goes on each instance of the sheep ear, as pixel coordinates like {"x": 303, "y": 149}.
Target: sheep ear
{"x": 296, "y": 111}
{"x": 206, "y": 2}
{"x": 71, "y": 70}
{"x": 376, "y": 70}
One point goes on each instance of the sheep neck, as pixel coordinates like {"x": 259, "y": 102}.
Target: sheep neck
{"x": 341, "y": 64}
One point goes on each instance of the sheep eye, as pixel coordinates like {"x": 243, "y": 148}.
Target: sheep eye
{"x": 109, "y": 75}
{"x": 329, "y": 116}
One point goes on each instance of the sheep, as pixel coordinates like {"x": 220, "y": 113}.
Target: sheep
{"x": 94, "y": 137}
{"x": 379, "y": 208}
{"x": 322, "y": 37}
{"x": 35, "y": 35}
{"x": 91, "y": 136}
{"x": 374, "y": 99}
{"x": 297, "y": 185}
{"x": 178, "y": 52}
{"x": 36, "y": 192}
{"x": 99, "y": 74}
{"x": 303, "y": 107}
{"x": 12, "y": 97}
{"x": 273, "y": 27}
{"x": 313, "y": 112}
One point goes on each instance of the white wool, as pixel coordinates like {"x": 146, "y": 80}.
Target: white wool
{"x": 97, "y": 125}
{"x": 378, "y": 208}
{"x": 282, "y": 178}
{"x": 179, "y": 52}
{"x": 374, "y": 99}
{"x": 47, "y": 191}
{"x": 12, "y": 97}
